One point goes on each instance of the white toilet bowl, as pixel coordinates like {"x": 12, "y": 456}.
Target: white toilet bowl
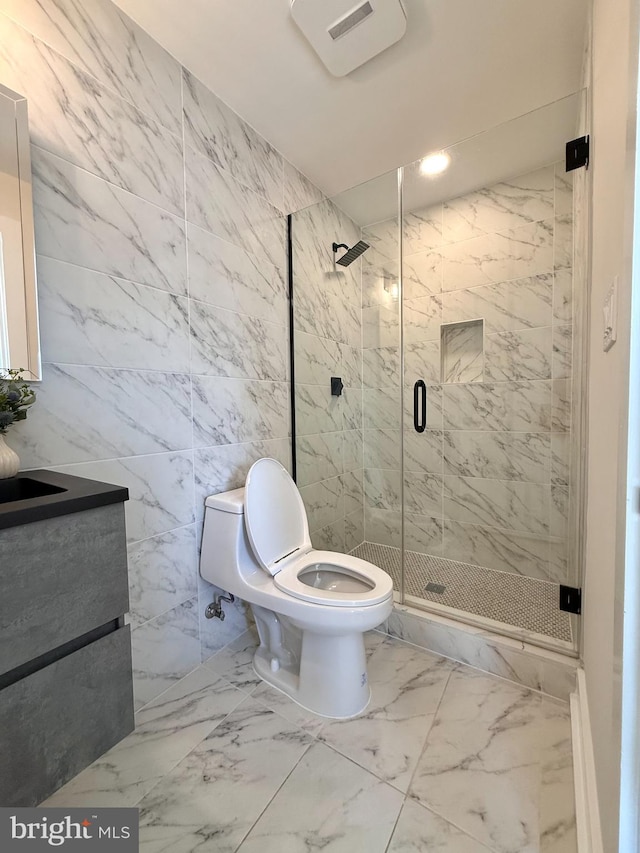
{"x": 311, "y": 607}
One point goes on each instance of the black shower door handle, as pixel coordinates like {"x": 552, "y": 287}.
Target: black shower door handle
{"x": 420, "y": 406}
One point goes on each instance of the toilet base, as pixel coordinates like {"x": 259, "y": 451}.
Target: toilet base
{"x": 332, "y": 677}
{"x": 324, "y": 673}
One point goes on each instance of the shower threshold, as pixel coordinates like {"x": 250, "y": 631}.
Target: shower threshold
{"x": 506, "y": 598}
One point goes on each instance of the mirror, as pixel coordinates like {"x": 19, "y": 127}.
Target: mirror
{"x": 19, "y": 337}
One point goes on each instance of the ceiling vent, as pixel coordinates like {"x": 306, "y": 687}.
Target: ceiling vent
{"x": 346, "y": 35}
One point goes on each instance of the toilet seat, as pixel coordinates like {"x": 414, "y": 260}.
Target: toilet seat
{"x": 377, "y": 585}
{"x": 278, "y": 531}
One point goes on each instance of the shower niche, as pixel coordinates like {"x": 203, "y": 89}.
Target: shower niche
{"x": 462, "y": 352}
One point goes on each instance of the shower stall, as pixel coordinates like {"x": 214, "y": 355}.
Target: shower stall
{"x": 438, "y": 376}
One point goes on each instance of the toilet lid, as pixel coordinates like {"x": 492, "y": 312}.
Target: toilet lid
{"x": 274, "y": 515}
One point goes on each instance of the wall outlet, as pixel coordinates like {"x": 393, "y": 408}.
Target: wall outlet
{"x": 610, "y": 316}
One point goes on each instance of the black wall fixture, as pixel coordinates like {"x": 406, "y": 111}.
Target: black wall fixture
{"x": 336, "y": 386}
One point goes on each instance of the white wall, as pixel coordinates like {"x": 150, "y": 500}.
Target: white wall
{"x": 613, "y": 88}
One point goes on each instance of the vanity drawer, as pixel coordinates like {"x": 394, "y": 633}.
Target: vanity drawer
{"x": 58, "y": 720}
{"x": 59, "y": 579}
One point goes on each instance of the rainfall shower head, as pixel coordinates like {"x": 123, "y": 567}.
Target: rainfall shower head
{"x": 351, "y": 254}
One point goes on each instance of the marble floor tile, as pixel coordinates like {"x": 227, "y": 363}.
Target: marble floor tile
{"x": 406, "y": 686}
{"x": 210, "y": 801}
{"x": 419, "y": 830}
{"x": 166, "y": 731}
{"x": 351, "y": 811}
{"x": 480, "y": 767}
{"x": 235, "y": 661}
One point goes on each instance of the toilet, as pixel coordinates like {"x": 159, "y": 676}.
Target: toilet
{"x": 311, "y": 607}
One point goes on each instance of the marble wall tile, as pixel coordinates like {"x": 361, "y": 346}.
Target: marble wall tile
{"x": 379, "y": 282}
{"x": 517, "y": 406}
{"x": 352, "y": 449}
{"x": 73, "y": 116}
{"x": 503, "y": 550}
{"x": 352, "y": 414}
{"x": 422, "y": 361}
{"x": 564, "y": 190}
{"x": 353, "y": 491}
{"x": 316, "y": 410}
{"x": 161, "y": 574}
{"x": 423, "y": 451}
{"x": 224, "y": 343}
{"x": 561, "y": 405}
{"x": 422, "y": 273}
{"x": 514, "y": 253}
{"x": 160, "y": 489}
{"x": 115, "y": 413}
{"x": 81, "y": 219}
{"x": 99, "y": 38}
{"x": 351, "y": 367}
{"x": 383, "y": 238}
{"x": 423, "y": 534}
{"x": 164, "y": 650}
{"x": 514, "y": 356}
{"x": 560, "y": 458}
{"x": 563, "y": 242}
{"x": 381, "y": 408}
{"x": 222, "y": 205}
{"x": 563, "y": 296}
{"x": 299, "y": 191}
{"x": 382, "y": 448}
{"x": 92, "y": 318}
{"x": 517, "y": 506}
{"x": 462, "y": 352}
{"x": 422, "y": 229}
{"x": 518, "y": 201}
{"x": 423, "y": 494}
{"x": 331, "y": 537}
{"x": 212, "y": 129}
{"x": 422, "y": 319}
{"x": 380, "y": 327}
{"x": 381, "y": 367}
{"x": 505, "y": 307}
{"x": 559, "y": 511}
{"x": 383, "y": 489}
{"x": 223, "y": 274}
{"x": 498, "y": 455}
{"x": 316, "y": 359}
{"x": 383, "y": 526}
{"x": 231, "y": 411}
{"x": 215, "y": 634}
{"x": 353, "y": 530}
{"x": 562, "y": 352}
{"x": 324, "y": 502}
{"x": 318, "y": 457}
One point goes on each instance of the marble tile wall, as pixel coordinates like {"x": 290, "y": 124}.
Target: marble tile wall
{"x": 328, "y": 332}
{"x": 488, "y": 481}
{"x": 160, "y": 234}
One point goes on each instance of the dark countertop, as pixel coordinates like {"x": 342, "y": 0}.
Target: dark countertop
{"x": 66, "y": 494}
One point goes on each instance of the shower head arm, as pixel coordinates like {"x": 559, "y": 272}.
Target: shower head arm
{"x": 337, "y": 246}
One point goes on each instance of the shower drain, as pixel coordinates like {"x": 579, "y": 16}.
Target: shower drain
{"x": 438, "y": 588}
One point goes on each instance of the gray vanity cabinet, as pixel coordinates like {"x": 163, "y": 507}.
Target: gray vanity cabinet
{"x": 65, "y": 653}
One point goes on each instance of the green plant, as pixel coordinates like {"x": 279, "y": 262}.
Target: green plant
{"x": 15, "y": 398}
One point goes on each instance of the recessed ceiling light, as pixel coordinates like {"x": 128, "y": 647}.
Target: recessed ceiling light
{"x": 434, "y": 164}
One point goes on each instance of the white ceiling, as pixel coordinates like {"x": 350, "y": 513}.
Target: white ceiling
{"x": 463, "y": 66}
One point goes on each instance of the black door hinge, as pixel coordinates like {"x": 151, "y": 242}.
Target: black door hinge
{"x": 571, "y": 599}
{"x": 577, "y": 153}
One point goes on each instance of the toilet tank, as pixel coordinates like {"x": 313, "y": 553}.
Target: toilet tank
{"x": 225, "y": 550}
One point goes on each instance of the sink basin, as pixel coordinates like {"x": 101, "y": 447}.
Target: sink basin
{"x": 25, "y": 489}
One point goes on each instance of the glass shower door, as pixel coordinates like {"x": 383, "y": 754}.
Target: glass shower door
{"x": 488, "y": 322}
